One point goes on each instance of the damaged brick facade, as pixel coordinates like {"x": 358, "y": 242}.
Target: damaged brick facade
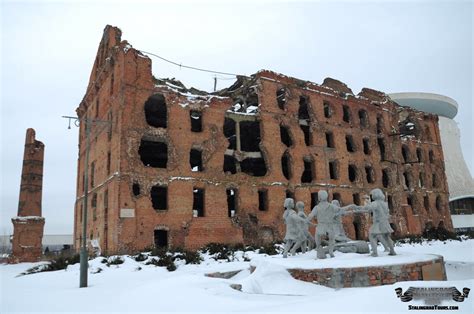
{"x": 180, "y": 167}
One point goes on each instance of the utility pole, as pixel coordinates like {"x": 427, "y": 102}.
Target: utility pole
{"x": 215, "y": 82}
{"x": 83, "y": 253}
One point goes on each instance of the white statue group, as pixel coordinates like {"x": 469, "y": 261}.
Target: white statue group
{"x": 329, "y": 223}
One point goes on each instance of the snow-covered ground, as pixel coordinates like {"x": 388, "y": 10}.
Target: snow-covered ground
{"x": 135, "y": 287}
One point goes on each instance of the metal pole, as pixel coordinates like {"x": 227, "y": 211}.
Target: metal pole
{"x": 83, "y": 255}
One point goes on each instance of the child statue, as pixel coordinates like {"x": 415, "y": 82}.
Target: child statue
{"x": 380, "y": 229}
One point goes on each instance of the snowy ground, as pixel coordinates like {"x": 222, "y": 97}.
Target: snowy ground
{"x": 135, "y": 287}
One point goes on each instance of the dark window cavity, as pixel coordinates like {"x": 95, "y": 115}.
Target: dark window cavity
{"x": 426, "y": 203}
{"x": 285, "y": 136}
{"x": 314, "y": 199}
{"x": 156, "y": 111}
{"x": 94, "y": 200}
{"x": 289, "y": 194}
{"x": 307, "y": 176}
{"x": 381, "y": 144}
{"x": 92, "y": 173}
{"x": 286, "y": 165}
{"x": 439, "y": 204}
{"x": 330, "y": 140}
{"x": 421, "y": 179}
{"x": 303, "y": 113}
{"x": 379, "y": 124}
{"x": 136, "y": 189}
{"x": 352, "y": 172}
{"x": 419, "y": 155}
{"x": 346, "y": 113}
{"x": 231, "y": 202}
{"x": 229, "y": 133}
{"x": 333, "y": 171}
{"x": 337, "y": 196}
{"x": 307, "y": 134}
{"x": 109, "y": 157}
{"x": 431, "y": 156}
{"x": 281, "y": 98}
{"x": 390, "y": 204}
{"x": 196, "y": 120}
{"x": 350, "y": 144}
{"x": 159, "y": 197}
{"x": 366, "y": 144}
{"x": 369, "y": 171}
{"x": 434, "y": 181}
{"x": 363, "y": 118}
{"x": 230, "y": 164}
{"x": 153, "y": 153}
{"x": 327, "y": 109}
{"x": 161, "y": 238}
{"x": 407, "y": 182}
{"x": 250, "y": 136}
{"x": 405, "y": 154}
{"x": 254, "y": 166}
{"x": 386, "y": 177}
{"x": 262, "y": 200}
{"x": 198, "y": 202}
{"x": 195, "y": 160}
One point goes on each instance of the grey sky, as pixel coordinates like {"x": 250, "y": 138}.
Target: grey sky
{"x": 48, "y": 48}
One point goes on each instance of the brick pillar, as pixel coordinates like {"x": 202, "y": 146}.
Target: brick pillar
{"x": 28, "y": 225}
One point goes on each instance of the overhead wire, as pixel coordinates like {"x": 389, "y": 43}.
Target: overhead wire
{"x": 191, "y": 67}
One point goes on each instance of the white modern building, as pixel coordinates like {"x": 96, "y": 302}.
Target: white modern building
{"x": 460, "y": 181}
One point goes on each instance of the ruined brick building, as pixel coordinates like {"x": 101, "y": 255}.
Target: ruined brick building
{"x": 29, "y": 224}
{"x": 181, "y": 167}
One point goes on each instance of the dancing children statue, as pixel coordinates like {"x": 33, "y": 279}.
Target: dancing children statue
{"x": 380, "y": 229}
{"x": 325, "y": 213}
{"x": 292, "y": 221}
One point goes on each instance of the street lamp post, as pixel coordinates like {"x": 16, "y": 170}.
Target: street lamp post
{"x": 83, "y": 253}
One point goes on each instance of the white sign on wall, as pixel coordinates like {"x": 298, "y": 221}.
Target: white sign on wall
{"x": 127, "y": 213}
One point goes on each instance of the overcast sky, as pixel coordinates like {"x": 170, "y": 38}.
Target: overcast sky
{"x": 48, "y": 49}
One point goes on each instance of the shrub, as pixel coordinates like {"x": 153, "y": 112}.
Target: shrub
{"x": 57, "y": 263}
{"x": 269, "y": 249}
{"x": 190, "y": 257}
{"x": 115, "y": 260}
{"x": 164, "y": 261}
{"x": 140, "y": 257}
